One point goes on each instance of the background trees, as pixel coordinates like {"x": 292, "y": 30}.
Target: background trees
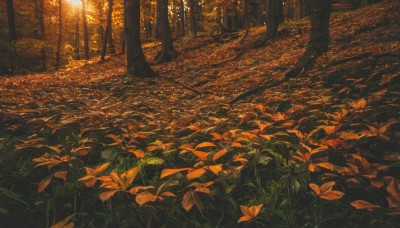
{"x": 37, "y": 24}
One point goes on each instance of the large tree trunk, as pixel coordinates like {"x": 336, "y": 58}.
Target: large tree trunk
{"x": 136, "y": 61}
{"x": 85, "y": 31}
{"x": 319, "y": 40}
{"x": 321, "y": 12}
{"x": 107, "y": 35}
{"x": 272, "y": 19}
{"x": 193, "y": 22}
{"x": 167, "y": 50}
{"x": 59, "y": 38}
{"x": 76, "y": 48}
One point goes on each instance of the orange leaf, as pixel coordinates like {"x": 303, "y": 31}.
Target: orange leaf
{"x": 168, "y": 172}
{"x": 135, "y": 190}
{"x": 330, "y": 130}
{"x": 104, "y": 196}
{"x": 201, "y": 155}
{"x": 363, "y": 205}
{"x": 203, "y": 190}
{"x": 360, "y": 104}
{"x": 54, "y": 148}
{"x": 190, "y": 199}
{"x": 137, "y": 153}
{"x": 195, "y": 174}
{"x": 393, "y": 188}
{"x": 215, "y": 168}
{"x": 205, "y": 144}
{"x": 244, "y": 218}
{"x": 249, "y": 212}
{"x": 325, "y": 191}
{"x": 44, "y": 183}
{"x": 61, "y": 175}
{"x": 145, "y": 197}
{"x": 219, "y": 154}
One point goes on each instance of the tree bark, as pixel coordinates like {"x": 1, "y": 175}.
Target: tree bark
{"x": 85, "y": 31}
{"x": 193, "y": 22}
{"x": 12, "y": 31}
{"x": 39, "y": 6}
{"x": 181, "y": 18}
{"x": 11, "y": 20}
{"x": 245, "y": 14}
{"x": 100, "y": 28}
{"x": 319, "y": 40}
{"x": 167, "y": 50}
{"x": 59, "y": 37}
{"x": 107, "y": 35}
{"x": 136, "y": 61}
{"x": 76, "y": 49}
{"x": 272, "y": 19}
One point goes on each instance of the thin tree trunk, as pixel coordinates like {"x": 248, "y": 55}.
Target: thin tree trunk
{"x": 193, "y": 22}
{"x": 123, "y": 36}
{"x": 85, "y": 31}
{"x": 59, "y": 38}
{"x": 111, "y": 46}
{"x": 76, "y": 50}
{"x": 181, "y": 18}
{"x": 108, "y": 30}
{"x": 11, "y": 20}
{"x": 100, "y": 28}
{"x": 39, "y": 6}
{"x": 12, "y": 31}
{"x": 245, "y": 14}
{"x": 136, "y": 61}
{"x": 167, "y": 50}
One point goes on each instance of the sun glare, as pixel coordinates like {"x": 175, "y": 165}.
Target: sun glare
{"x": 75, "y": 2}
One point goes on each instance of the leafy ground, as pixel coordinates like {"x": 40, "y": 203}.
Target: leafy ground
{"x": 92, "y": 146}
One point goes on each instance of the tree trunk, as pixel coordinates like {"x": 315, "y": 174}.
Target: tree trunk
{"x": 12, "y": 32}
{"x": 157, "y": 24}
{"x": 136, "y": 61}
{"x": 39, "y": 6}
{"x": 321, "y": 12}
{"x": 193, "y": 22}
{"x": 100, "y": 28}
{"x": 123, "y": 36}
{"x": 245, "y": 14}
{"x": 167, "y": 50}
{"x": 111, "y": 46}
{"x": 59, "y": 37}
{"x": 76, "y": 49}
{"x": 85, "y": 31}
{"x": 272, "y": 19}
{"x": 181, "y": 18}
{"x": 11, "y": 20}
{"x": 107, "y": 35}
{"x": 319, "y": 40}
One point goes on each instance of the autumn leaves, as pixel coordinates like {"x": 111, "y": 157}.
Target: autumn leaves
{"x": 190, "y": 172}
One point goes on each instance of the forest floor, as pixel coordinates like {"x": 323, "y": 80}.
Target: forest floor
{"x": 354, "y": 89}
